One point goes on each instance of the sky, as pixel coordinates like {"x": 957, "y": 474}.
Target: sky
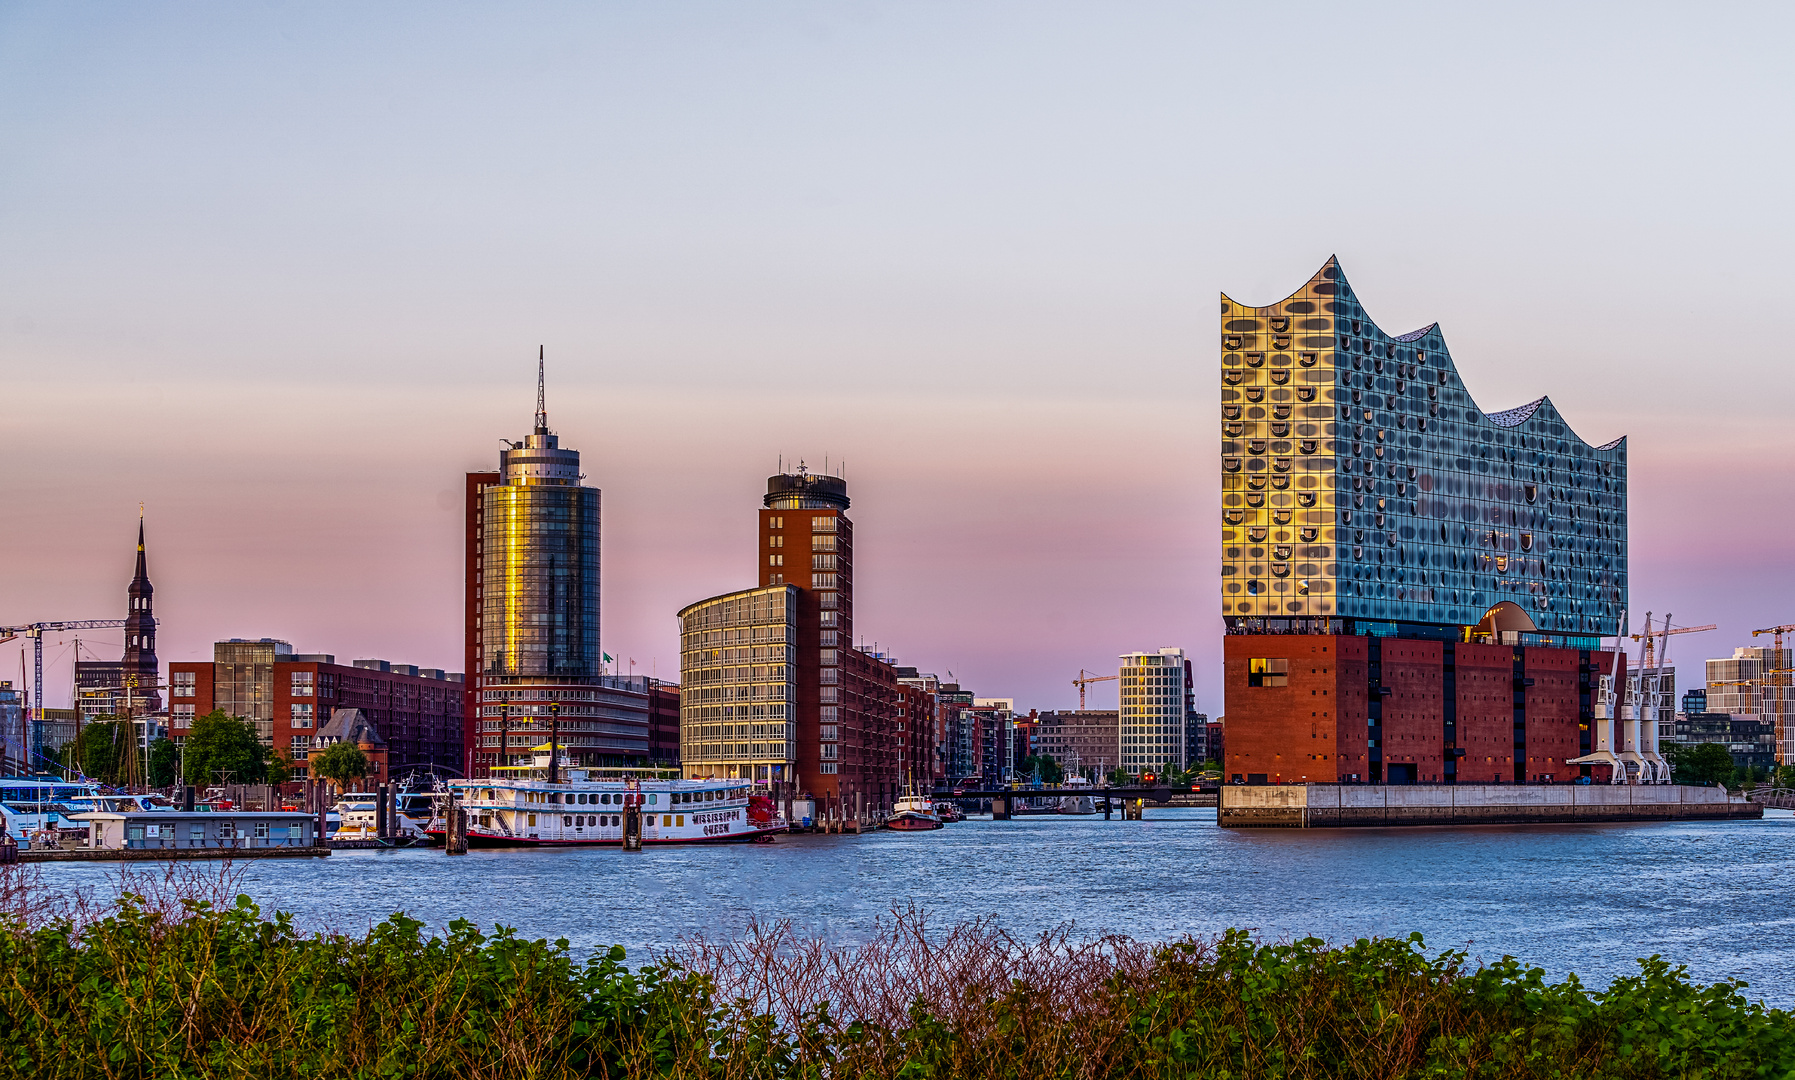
{"x": 279, "y": 272}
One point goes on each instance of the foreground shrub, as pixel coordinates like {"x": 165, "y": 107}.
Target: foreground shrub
{"x": 200, "y": 990}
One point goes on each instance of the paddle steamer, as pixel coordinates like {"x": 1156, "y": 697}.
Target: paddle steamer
{"x": 588, "y": 810}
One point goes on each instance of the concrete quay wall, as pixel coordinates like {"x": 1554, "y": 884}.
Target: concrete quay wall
{"x": 1316, "y": 806}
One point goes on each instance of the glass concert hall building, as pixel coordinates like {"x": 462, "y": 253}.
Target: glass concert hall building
{"x": 1414, "y": 589}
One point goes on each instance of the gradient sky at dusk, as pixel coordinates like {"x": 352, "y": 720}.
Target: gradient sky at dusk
{"x": 280, "y": 272}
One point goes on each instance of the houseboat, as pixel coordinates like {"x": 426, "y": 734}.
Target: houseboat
{"x": 584, "y": 810}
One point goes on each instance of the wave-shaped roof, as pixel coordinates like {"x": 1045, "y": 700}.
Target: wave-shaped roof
{"x": 1330, "y": 279}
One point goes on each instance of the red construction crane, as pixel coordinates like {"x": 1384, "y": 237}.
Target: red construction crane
{"x": 1084, "y": 679}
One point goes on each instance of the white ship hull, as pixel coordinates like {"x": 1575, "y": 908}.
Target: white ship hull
{"x": 589, "y": 813}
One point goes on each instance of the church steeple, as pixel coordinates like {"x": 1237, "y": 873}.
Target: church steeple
{"x": 140, "y": 625}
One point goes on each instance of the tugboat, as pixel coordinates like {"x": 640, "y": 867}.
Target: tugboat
{"x": 914, "y": 813}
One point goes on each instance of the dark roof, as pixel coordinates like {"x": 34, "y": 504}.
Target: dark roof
{"x": 351, "y": 726}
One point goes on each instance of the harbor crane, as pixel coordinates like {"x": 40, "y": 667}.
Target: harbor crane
{"x": 1085, "y": 678}
{"x": 35, "y": 631}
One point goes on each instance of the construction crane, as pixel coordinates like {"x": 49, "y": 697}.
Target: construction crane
{"x": 1781, "y": 680}
{"x": 35, "y": 631}
{"x": 1665, "y": 634}
{"x": 1085, "y": 678}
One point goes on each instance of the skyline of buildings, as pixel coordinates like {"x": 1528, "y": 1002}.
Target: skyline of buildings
{"x": 1419, "y": 542}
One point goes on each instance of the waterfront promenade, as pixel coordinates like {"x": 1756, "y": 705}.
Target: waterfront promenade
{"x": 1584, "y": 898}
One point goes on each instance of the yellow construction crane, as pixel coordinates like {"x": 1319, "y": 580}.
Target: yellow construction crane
{"x": 1665, "y": 634}
{"x": 1085, "y": 678}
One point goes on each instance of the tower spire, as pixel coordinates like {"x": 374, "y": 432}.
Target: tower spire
{"x": 142, "y": 575}
{"x": 541, "y": 398}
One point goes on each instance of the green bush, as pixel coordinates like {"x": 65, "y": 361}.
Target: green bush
{"x": 209, "y": 992}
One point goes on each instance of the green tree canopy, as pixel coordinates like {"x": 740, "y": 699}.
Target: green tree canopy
{"x": 343, "y": 763}
{"x": 165, "y": 761}
{"x": 1051, "y": 773}
{"x": 1703, "y": 763}
{"x": 99, "y": 751}
{"x": 224, "y": 749}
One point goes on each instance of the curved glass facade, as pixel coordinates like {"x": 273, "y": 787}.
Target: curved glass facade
{"x": 539, "y": 568}
{"x": 738, "y": 685}
{"x": 1362, "y": 485}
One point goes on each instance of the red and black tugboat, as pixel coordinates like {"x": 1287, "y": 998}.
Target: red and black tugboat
{"x": 913, "y": 813}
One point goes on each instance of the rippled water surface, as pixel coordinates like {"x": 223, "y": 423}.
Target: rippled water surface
{"x": 1568, "y": 898}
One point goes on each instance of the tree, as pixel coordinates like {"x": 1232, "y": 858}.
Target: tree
{"x": 1120, "y": 777}
{"x": 341, "y": 763}
{"x": 98, "y": 752}
{"x": 224, "y": 749}
{"x": 165, "y": 761}
{"x": 1051, "y": 772}
{"x": 1704, "y": 763}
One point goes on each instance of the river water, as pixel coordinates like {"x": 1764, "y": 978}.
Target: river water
{"x": 1586, "y": 898}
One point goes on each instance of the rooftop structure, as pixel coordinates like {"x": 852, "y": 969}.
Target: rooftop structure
{"x": 1363, "y": 490}
{"x": 1414, "y": 589}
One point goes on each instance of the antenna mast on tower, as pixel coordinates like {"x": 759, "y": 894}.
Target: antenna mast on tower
{"x": 541, "y": 398}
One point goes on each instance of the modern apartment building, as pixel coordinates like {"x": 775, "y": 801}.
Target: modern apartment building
{"x": 924, "y": 717}
{"x": 1155, "y": 702}
{"x": 786, "y": 679}
{"x": 1756, "y": 683}
{"x": 1414, "y": 590}
{"x": 289, "y": 697}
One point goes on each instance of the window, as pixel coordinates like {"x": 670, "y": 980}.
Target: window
{"x": 828, "y": 768}
{"x": 181, "y": 682}
{"x": 302, "y": 684}
{"x": 301, "y": 715}
{"x": 822, "y": 524}
{"x": 775, "y": 560}
{"x": 1268, "y": 672}
{"x": 261, "y": 830}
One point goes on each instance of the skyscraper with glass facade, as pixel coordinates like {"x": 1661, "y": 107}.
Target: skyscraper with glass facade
{"x": 1414, "y": 589}
{"x": 532, "y": 614}
{"x": 1363, "y": 488}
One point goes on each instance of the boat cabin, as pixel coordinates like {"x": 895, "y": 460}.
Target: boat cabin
{"x": 198, "y": 829}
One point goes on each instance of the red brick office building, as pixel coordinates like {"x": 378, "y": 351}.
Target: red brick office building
{"x": 289, "y": 698}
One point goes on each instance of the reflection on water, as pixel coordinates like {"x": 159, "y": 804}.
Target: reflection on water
{"x": 1583, "y": 898}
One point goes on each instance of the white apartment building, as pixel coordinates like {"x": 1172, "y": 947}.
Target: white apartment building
{"x": 1150, "y": 725}
{"x": 1756, "y": 682}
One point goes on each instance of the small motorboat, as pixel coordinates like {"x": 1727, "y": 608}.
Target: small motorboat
{"x": 949, "y": 812}
{"x": 914, "y": 813}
